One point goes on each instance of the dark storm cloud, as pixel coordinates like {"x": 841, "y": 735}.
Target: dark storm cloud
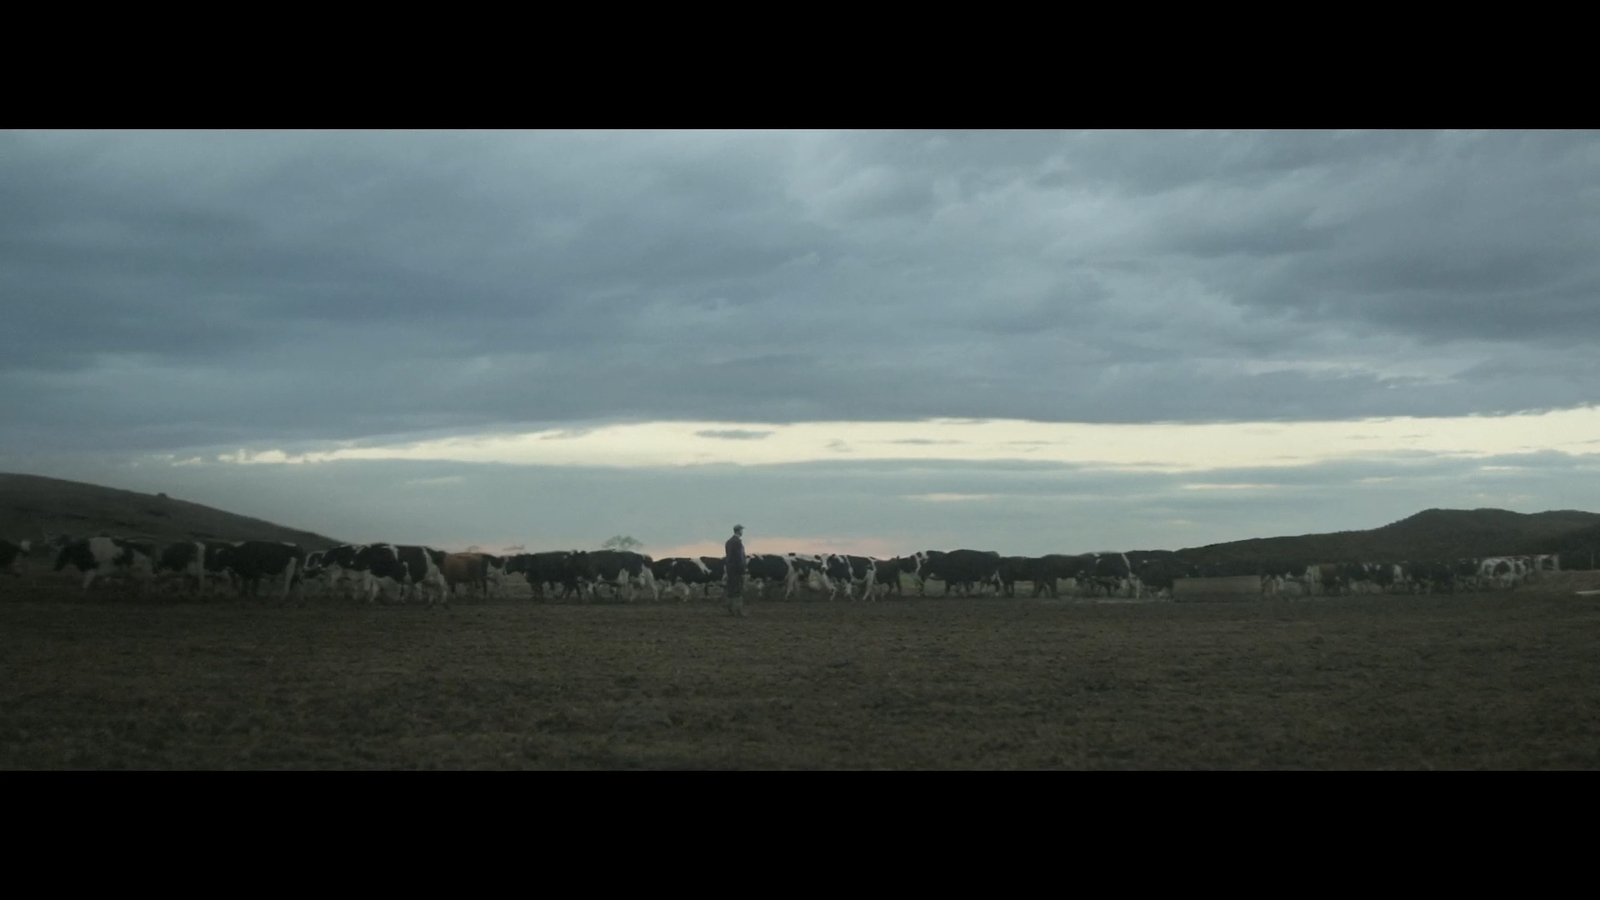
{"x": 175, "y": 289}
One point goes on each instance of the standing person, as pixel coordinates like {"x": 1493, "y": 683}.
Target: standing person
{"x": 735, "y": 565}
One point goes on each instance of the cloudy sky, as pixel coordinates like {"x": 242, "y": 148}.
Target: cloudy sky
{"x": 887, "y": 341}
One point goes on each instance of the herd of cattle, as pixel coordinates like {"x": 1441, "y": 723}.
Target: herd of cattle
{"x": 401, "y": 572}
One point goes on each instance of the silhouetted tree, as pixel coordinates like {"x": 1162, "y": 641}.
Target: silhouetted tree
{"x": 622, "y": 542}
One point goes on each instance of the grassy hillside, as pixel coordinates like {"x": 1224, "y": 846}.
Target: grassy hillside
{"x": 32, "y": 506}
{"x": 1429, "y": 535}
{"x": 1580, "y": 547}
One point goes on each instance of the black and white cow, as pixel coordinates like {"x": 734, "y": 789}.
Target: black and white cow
{"x": 621, "y": 569}
{"x": 812, "y": 570}
{"x": 350, "y": 567}
{"x": 1054, "y": 568}
{"x": 763, "y": 570}
{"x": 1111, "y": 575}
{"x": 201, "y": 564}
{"x": 186, "y": 560}
{"x": 376, "y": 569}
{"x": 1156, "y": 571}
{"x": 495, "y": 567}
{"x": 557, "y": 568}
{"x": 718, "y": 567}
{"x": 846, "y": 571}
{"x": 968, "y": 570}
{"x": 888, "y": 572}
{"x": 837, "y": 568}
{"x": 1282, "y": 577}
{"x": 1368, "y": 578}
{"x": 12, "y": 555}
{"x": 256, "y": 564}
{"x": 1019, "y": 568}
{"x": 1504, "y": 572}
{"x": 424, "y": 572}
{"x": 684, "y": 574}
{"x": 406, "y": 567}
{"x": 108, "y": 557}
{"x": 330, "y": 569}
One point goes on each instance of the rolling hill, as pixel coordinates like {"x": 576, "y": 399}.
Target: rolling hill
{"x": 1432, "y": 534}
{"x": 1580, "y": 547}
{"x": 32, "y": 506}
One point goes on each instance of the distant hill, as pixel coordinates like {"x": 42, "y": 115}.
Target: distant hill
{"x": 1577, "y": 548}
{"x": 1432, "y": 534}
{"x": 32, "y": 506}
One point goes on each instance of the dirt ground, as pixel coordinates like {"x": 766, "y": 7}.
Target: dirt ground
{"x": 1509, "y": 680}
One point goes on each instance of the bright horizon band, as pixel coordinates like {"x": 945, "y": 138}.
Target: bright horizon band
{"x": 1159, "y": 447}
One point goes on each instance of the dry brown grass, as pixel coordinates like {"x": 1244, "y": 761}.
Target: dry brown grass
{"x": 1482, "y": 681}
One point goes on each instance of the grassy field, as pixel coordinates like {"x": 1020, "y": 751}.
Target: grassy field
{"x": 1508, "y": 680}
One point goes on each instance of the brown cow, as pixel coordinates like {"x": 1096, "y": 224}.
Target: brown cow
{"x": 475, "y": 570}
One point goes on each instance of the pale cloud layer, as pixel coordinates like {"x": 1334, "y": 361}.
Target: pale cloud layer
{"x": 1161, "y": 447}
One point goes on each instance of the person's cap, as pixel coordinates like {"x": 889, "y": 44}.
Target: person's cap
{"x": 738, "y": 528}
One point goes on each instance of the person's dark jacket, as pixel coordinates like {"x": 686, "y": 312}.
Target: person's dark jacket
{"x": 735, "y": 560}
